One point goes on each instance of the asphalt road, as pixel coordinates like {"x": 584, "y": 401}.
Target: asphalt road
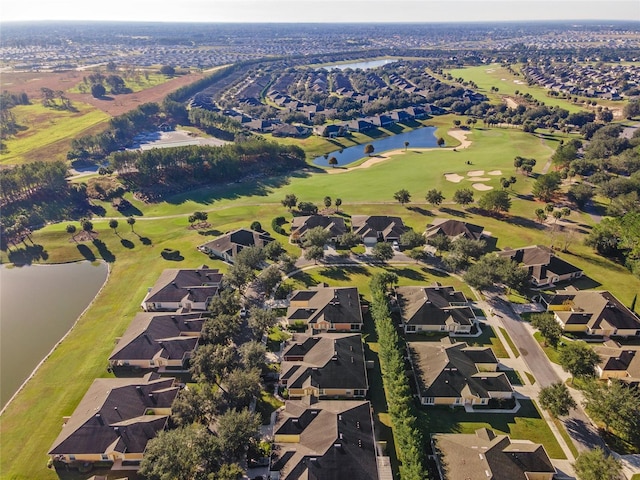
{"x": 578, "y": 425}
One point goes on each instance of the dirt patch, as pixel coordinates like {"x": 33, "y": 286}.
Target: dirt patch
{"x": 199, "y": 226}
{"x": 32, "y": 82}
{"x": 83, "y": 236}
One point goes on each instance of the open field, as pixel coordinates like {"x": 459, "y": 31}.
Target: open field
{"x": 32, "y": 422}
{"x": 49, "y": 132}
{"x": 141, "y": 82}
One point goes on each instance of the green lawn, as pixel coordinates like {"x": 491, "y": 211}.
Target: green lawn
{"x": 49, "y": 132}
{"x": 567, "y": 439}
{"x": 136, "y": 84}
{"x": 532, "y": 379}
{"x": 488, "y": 338}
{"x": 512, "y": 345}
{"x": 266, "y": 405}
{"x": 527, "y": 424}
{"x": 552, "y": 353}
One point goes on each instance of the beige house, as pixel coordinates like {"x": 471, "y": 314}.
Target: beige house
{"x": 618, "y": 362}
{"x": 543, "y": 265}
{"x": 594, "y": 312}
{"x": 114, "y": 421}
{"x": 326, "y": 309}
{"x": 485, "y": 455}
{"x": 455, "y": 374}
{"x": 334, "y": 226}
{"x": 327, "y": 365}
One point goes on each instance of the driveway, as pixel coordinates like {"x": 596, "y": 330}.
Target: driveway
{"x": 578, "y": 425}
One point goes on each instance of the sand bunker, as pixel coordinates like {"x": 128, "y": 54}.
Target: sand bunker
{"x": 479, "y": 179}
{"x": 495, "y": 172}
{"x": 482, "y": 187}
{"x": 475, "y": 173}
{"x": 453, "y": 177}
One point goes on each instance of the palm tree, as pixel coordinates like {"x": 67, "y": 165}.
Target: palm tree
{"x": 337, "y": 203}
{"x": 113, "y": 223}
{"x": 406, "y": 145}
{"x": 131, "y": 221}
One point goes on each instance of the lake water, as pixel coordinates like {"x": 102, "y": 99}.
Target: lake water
{"x": 419, "y": 138}
{"x": 364, "y": 65}
{"x": 38, "y": 306}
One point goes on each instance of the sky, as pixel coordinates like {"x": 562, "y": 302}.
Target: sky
{"x": 300, "y": 11}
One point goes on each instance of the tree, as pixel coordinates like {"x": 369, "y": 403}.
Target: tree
{"x": 403, "y": 196}
{"x": 337, "y": 203}
{"x": 87, "y": 225}
{"x": 225, "y": 303}
{"x": 549, "y": 328}
{"x": 290, "y": 201}
{"x": 616, "y": 405}
{"x": 440, "y": 141}
{"x": 383, "y": 251}
{"x": 241, "y": 386}
{"x": 315, "y": 237}
{"x": 581, "y": 194}
{"x": 251, "y": 257}
{"x": 253, "y": 355}
{"x": 541, "y": 216}
{"x": 412, "y": 239}
{"x": 333, "y": 161}
{"x": 546, "y": 186}
{"x": 463, "y": 196}
{"x": 441, "y": 243}
{"x": 495, "y": 201}
{"x": 557, "y": 399}
{"x": 256, "y": 225}
{"x": 261, "y": 321}
{"x": 71, "y": 230}
{"x": 418, "y": 254}
{"x": 467, "y": 248}
{"x": 327, "y": 201}
{"x": 597, "y": 465}
{"x": 167, "y": 70}
{"x": 113, "y": 223}
{"x": 210, "y": 363}
{"x": 314, "y": 253}
{"x": 578, "y": 358}
{"x": 307, "y": 208}
{"x": 349, "y": 240}
{"x": 492, "y": 269}
{"x": 434, "y": 197}
{"x": 369, "y": 149}
{"x": 269, "y": 278}
{"x": 198, "y": 403}
{"x": 239, "y": 276}
{"x": 98, "y": 90}
{"x": 406, "y": 145}
{"x": 131, "y": 221}
{"x": 236, "y": 431}
{"x": 184, "y": 453}
{"x": 557, "y": 215}
{"x": 220, "y": 327}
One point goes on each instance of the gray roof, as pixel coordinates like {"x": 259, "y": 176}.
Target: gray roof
{"x": 336, "y": 441}
{"x": 454, "y": 228}
{"x": 176, "y": 285}
{"x": 333, "y": 225}
{"x": 233, "y": 242}
{"x": 433, "y": 306}
{"x": 329, "y": 360}
{"x": 451, "y": 370}
{"x": 485, "y": 455}
{"x": 330, "y": 304}
{"x": 542, "y": 263}
{"x": 152, "y": 335}
{"x": 113, "y": 416}
{"x": 379, "y": 226}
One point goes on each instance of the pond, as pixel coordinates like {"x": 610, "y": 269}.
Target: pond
{"x": 419, "y": 138}
{"x": 364, "y": 65}
{"x": 38, "y": 306}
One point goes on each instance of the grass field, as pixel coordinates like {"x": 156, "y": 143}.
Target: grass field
{"x": 49, "y": 132}
{"x": 512, "y": 345}
{"x": 32, "y": 422}
{"x": 141, "y": 82}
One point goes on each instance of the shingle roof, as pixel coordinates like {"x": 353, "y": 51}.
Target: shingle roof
{"x": 484, "y": 455}
{"x": 454, "y": 228}
{"x": 451, "y": 370}
{"x": 176, "y": 285}
{"x": 330, "y": 304}
{"x": 336, "y": 441}
{"x": 329, "y": 361}
{"x": 333, "y": 225}
{"x": 433, "y": 306}
{"x": 378, "y": 225}
{"x": 598, "y": 309}
{"x": 121, "y": 403}
{"x": 233, "y": 242}
{"x": 151, "y": 334}
{"x": 620, "y": 360}
{"x": 543, "y": 264}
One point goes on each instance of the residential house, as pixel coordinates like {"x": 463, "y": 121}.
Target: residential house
{"x": 324, "y": 440}
{"x": 115, "y": 420}
{"x": 433, "y": 309}
{"x": 334, "y": 226}
{"x": 375, "y": 228}
{"x": 229, "y": 245}
{"x": 183, "y": 289}
{"x": 455, "y": 374}
{"x": 326, "y": 365}
{"x": 286, "y": 130}
{"x": 164, "y": 342}
{"x": 618, "y": 362}
{"x": 485, "y": 455}
{"x": 325, "y": 308}
{"x": 359, "y": 125}
{"x": 543, "y": 265}
{"x": 594, "y": 312}
{"x": 454, "y": 229}
{"x": 329, "y": 131}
